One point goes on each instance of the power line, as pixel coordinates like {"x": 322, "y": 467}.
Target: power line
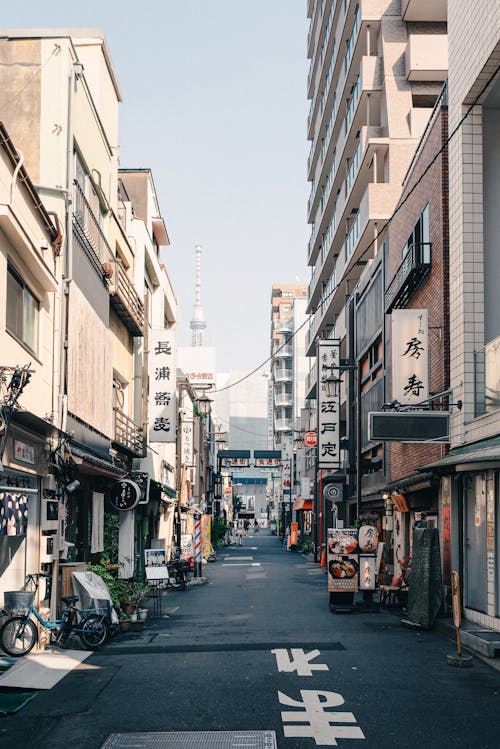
{"x": 384, "y": 227}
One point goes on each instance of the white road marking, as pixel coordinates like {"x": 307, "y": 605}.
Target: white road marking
{"x": 299, "y": 662}
{"x": 241, "y": 564}
{"x": 316, "y": 719}
{"x": 246, "y": 558}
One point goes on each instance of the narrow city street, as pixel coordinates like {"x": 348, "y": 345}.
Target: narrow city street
{"x": 257, "y": 649}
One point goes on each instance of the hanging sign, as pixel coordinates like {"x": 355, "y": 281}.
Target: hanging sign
{"x": 125, "y": 494}
{"x": 162, "y": 371}
{"x": 187, "y": 442}
{"x": 410, "y": 356}
{"x": 328, "y": 432}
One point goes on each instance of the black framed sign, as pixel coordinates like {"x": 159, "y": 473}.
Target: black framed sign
{"x": 125, "y": 494}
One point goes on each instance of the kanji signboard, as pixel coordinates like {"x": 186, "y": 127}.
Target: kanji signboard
{"x": 162, "y": 382}
{"x": 410, "y": 356}
{"x": 328, "y": 432}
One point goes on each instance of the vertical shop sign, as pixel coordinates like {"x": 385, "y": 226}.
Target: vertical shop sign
{"x": 187, "y": 442}
{"x": 162, "y": 382}
{"x": 328, "y": 433}
{"x": 446, "y": 532}
{"x": 410, "y": 356}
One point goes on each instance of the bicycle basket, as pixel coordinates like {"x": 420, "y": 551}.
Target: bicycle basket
{"x": 18, "y": 600}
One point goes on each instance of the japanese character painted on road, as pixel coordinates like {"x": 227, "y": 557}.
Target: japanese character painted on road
{"x": 317, "y": 722}
{"x": 299, "y": 661}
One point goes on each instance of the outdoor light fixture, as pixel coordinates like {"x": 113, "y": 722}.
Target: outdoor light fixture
{"x": 72, "y": 486}
{"x": 203, "y": 405}
{"x": 332, "y": 385}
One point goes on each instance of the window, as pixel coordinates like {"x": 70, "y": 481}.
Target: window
{"x": 420, "y": 233}
{"x": 22, "y": 311}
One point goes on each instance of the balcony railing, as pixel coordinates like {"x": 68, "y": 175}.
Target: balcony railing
{"x": 283, "y": 325}
{"x": 126, "y": 433}
{"x": 126, "y": 301}
{"x": 283, "y": 399}
{"x": 283, "y": 375}
{"x": 283, "y": 352}
{"x": 415, "y": 266}
{"x": 89, "y": 232}
{"x": 283, "y": 425}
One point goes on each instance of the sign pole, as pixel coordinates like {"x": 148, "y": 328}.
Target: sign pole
{"x": 457, "y": 659}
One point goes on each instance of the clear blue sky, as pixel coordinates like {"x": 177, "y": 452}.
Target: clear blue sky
{"x": 215, "y": 104}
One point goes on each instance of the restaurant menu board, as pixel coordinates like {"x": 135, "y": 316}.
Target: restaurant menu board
{"x": 342, "y": 559}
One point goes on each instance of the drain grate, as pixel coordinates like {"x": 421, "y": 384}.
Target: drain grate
{"x": 193, "y": 740}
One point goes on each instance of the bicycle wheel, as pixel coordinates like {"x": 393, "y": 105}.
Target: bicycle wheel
{"x": 178, "y": 581}
{"x": 60, "y": 635}
{"x": 93, "y": 631}
{"x": 18, "y": 635}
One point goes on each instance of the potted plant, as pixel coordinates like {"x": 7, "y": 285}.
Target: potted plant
{"x": 139, "y": 591}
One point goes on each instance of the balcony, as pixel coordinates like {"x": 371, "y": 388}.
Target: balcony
{"x": 283, "y": 352}
{"x": 283, "y": 325}
{"x": 311, "y": 381}
{"x": 426, "y": 57}
{"x": 424, "y": 10}
{"x": 126, "y": 433}
{"x": 89, "y": 234}
{"x": 283, "y": 425}
{"x": 487, "y": 378}
{"x": 283, "y": 400}
{"x": 415, "y": 266}
{"x": 283, "y": 375}
{"x": 126, "y": 301}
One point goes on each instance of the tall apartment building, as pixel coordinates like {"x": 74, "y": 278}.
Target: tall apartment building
{"x": 377, "y": 68}
{"x": 288, "y": 372}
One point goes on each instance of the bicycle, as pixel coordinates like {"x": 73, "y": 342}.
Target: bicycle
{"x": 19, "y": 634}
{"x": 178, "y": 570}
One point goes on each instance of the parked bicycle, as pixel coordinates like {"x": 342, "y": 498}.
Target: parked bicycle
{"x": 19, "y": 633}
{"x": 178, "y": 571}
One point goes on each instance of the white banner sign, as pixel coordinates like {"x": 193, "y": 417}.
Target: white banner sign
{"x": 187, "y": 443}
{"x": 410, "y": 356}
{"x": 162, "y": 382}
{"x": 328, "y": 405}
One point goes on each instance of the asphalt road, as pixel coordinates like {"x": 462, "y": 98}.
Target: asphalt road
{"x": 257, "y": 649}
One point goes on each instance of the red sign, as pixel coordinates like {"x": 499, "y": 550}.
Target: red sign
{"x": 310, "y": 439}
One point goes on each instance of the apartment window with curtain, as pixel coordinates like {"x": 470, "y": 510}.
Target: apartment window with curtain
{"x": 22, "y": 311}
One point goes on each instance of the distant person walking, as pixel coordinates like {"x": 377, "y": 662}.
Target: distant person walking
{"x": 256, "y": 526}
{"x": 239, "y": 536}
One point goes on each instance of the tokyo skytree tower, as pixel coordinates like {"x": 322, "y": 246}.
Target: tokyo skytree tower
{"x": 197, "y": 324}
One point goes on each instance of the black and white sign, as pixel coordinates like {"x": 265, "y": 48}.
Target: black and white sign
{"x": 162, "y": 383}
{"x": 328, "y": 433}
{"x": 125, "y": 494}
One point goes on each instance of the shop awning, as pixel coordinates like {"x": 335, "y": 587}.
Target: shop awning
{"x": 302, "y": 504}
{"x": 93, "y": 465}
{"x": 485, "y": 453}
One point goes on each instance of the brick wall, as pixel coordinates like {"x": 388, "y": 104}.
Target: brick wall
{"x": 433, "y": 292}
